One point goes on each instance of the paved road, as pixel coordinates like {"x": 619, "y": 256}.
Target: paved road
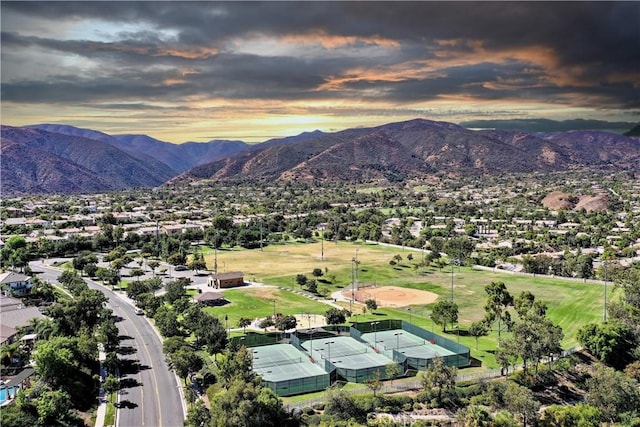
{"x": 150, "y": 396}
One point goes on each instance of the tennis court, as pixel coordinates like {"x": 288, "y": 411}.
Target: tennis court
{"x": 288, "y": 371}
{"x": 354, "y": 360}
{"x": 406, "y": 343}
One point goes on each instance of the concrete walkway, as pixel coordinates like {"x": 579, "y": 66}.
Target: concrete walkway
{"x": 102, "y": 398}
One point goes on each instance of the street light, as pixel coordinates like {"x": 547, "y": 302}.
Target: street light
{"x": 375, "y": 335}
{"x": 328, "y": 343}
{"x": 604, "y": 313}
{"x": 311, "y": 331}
{"x": 451, "y": 280}
{"x": 397, "y": 334}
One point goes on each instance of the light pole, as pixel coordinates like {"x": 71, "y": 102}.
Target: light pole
{"x": 451, "y": 280}
{"x": 274, "y": 310}
{"x": 397, "y": 334}
{"x": 432, "y": 331}
{"x": 311, "y": 331}
{"x": 458, "y": 349}
{"x": 322, "y": 244}
{"x": 375, "y": 335}
{"x": 604, "y": 312}
{"x": 328, "y": 343}
{"x": 357, "y": 249}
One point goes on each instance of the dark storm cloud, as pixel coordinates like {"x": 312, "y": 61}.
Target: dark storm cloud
{"x": 598, "y": 41}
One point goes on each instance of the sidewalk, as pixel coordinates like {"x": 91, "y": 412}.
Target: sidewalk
{"x": 102, "y": 407}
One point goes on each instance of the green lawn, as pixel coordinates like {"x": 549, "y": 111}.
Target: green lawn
{"x": 259, "y": 303}
{"x": 571, "y": 304}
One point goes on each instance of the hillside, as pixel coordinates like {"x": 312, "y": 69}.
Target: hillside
{"x": 58, "y": 158}
{"x": 418, "y": 148}
{"x": 37, "y": 161}
{"x": 174, "y": 157}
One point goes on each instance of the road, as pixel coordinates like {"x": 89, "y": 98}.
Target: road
{"x": 150, "y": 395}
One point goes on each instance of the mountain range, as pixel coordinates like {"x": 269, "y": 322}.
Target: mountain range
{"x": 50, "y": 158}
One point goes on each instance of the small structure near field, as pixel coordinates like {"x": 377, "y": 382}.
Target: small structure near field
{"x": 231, "y": 279}
{"x": 210, "y": 299}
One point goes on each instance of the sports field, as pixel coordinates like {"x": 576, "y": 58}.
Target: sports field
{"x": 571, "y": 304}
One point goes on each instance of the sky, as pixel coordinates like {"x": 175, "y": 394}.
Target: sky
{"x": 197, "y": 71}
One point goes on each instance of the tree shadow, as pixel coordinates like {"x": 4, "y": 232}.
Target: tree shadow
{"x": 126, "y": 404}
{"x": 131, "y": 366}
{"x": 129, "y": 383}
{"x": 126, "y": 350}
{"x": 124, "y": 337}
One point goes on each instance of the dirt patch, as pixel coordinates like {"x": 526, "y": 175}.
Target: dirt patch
{"x": 393, "y": 296}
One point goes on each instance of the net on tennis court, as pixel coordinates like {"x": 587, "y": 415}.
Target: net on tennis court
{"x": 270, "y": 363}
{"x": 405, "y": 345}
{"x": 345, "y": 353}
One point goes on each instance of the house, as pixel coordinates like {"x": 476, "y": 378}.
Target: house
{"x": 17, "y": 283}
{"x": 7, "y": 334}
{"x": 226, "y": 280}
{"x": 20, "y": 317}
{"x": 210, "y": 298}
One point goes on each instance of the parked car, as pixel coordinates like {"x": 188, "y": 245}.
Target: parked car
{"x": 139, "y": 311}
{"x": 180, "y": 268}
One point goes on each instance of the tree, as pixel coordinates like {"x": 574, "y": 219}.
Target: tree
{"x": 236, "y": 365}
{"x": 498, "y": 301}
{"x": 153, "y": 264}
{"x": 439, "y": 377}
{"x": 335, "y": 316}
{"x": 341, "y": 406}
{"x": 374, "y": 384}
{"x": 613, "y": 393}
{"x": 177, "y": 258}
{"x": 393, "y": 371}
{"x": 246, "y": 404}
{"x": 581, "y": 414}
{"x": 111, "y": 385}
{"x": 371, "y": 304}
{"x": 167, "y": 321}
{"x": 54, "y": 408}
{"x": 478, "y": 329}
{"x": 184, "y": 361}
{"x": 520, "y": 401}
{"x": 301, "y": 279}
{"x": 137, "y": 273}
{"x": 284, "y": 323}
{"x": 609, "y": 342}
{"x": 317, "y": 272}
{"x": 444, "y": 312}
{"x": 312, "y": 286}
{"x": 176, "y": 289}
{"x": 243, "y": 322}
{"x": 197, "y": 262}
{"x": 198, "y": 415}
{"x": 473, "y": 416}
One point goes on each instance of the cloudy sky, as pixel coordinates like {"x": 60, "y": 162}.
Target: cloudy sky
{"x": 181, "y": 71}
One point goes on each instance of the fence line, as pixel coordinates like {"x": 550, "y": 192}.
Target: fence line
{"x": 401, "y": 385}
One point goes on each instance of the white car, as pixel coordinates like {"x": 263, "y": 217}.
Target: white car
{"x": 139, "y": 310}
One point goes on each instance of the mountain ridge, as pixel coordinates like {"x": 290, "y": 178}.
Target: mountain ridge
{"x": 386, "y": 153}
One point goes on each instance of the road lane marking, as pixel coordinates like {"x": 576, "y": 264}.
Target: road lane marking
{"x": 155, "y": 378}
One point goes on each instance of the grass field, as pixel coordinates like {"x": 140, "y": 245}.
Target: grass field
{"x": 255, "y": 303}
{"x": 571, "y": 303}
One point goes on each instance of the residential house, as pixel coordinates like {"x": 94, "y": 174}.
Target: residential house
{"x": 16, "y": 283}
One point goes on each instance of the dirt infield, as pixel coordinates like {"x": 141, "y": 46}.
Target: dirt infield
{"x": 393, "y": 296}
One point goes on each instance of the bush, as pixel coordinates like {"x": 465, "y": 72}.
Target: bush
{"x": 318, "y": 406}
{"x": 308, "y": 410}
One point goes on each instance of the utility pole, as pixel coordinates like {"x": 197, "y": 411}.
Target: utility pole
{"x": 604, "y": 312}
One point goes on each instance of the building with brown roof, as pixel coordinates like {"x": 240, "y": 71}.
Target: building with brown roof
{"x": 231, "y": 279}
